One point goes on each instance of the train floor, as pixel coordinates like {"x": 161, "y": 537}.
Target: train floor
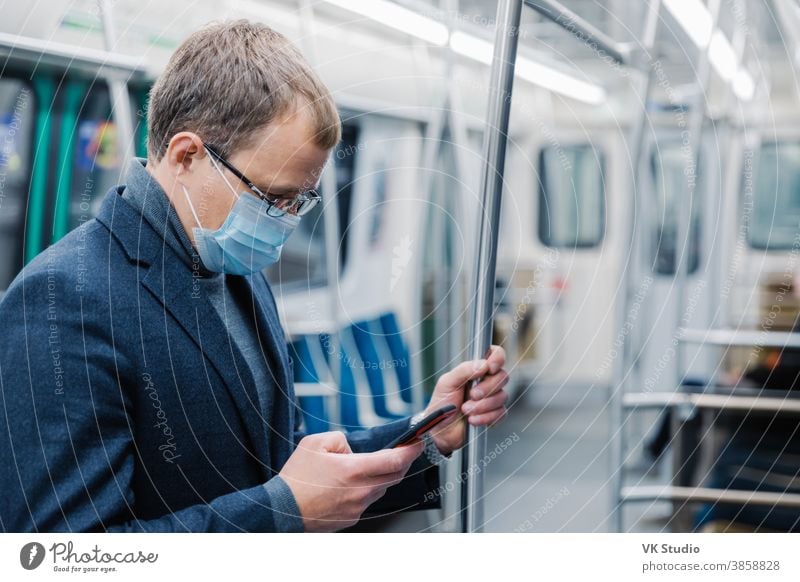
{"x": 548, "y": 469}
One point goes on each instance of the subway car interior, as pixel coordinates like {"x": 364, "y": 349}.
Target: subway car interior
{"x": 646, "y": 285}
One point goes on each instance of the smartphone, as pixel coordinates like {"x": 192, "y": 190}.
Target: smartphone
{"x": 423, "y": 426}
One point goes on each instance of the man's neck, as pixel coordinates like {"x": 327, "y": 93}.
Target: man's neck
{"x": 170, "y": 185}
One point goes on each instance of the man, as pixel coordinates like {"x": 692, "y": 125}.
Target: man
{"x": 145, "y": 379}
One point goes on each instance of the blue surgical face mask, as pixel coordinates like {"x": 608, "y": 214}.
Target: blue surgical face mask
{"x": 248, "y": 241}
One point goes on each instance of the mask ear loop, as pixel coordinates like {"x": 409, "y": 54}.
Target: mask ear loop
{"x": 191, "y": 206}
{"x": 186, "y": 192}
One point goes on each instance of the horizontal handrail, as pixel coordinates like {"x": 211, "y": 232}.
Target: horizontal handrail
{"x": 740, "y": 337}
{"x": 713, "y": 401}
{"x": 582, "y": 29}
{"x": 15, "y": 47}
{"x": 708, "y": 494}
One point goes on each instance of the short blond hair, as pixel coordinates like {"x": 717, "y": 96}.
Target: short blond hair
{"x": 229, "y": 80}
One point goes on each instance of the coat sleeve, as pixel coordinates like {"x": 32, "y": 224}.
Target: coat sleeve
{"x": 66, "y": 446}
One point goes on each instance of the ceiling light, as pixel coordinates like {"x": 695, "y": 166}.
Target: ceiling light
{"x": 694, "y": 18}
{"x": 397, "y": 17}
{"x": 481, "y": 50}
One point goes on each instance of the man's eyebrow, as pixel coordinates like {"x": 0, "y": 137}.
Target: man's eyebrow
{"x": 281, "y": 191}
{"x": 285, "y": 191}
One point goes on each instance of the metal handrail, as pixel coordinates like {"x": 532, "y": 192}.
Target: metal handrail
{"x": 742, "y": 338}
{"x": 587, "y": 32}
{"x": 641, "y": 400}
{"x": 709, "y": 494}
{"x": 494, "y": 147}
{"x": 508, "y": 19}
{"x": 48, "y": 53}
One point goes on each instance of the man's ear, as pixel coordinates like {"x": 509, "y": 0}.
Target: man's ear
{"x": 184, "y": 150}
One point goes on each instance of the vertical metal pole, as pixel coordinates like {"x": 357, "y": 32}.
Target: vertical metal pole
{"x": 622, "y": 364}
{"x": 494, "y": 142}
{"x": 120, "y": 99}
{"x": 694, "y": 133}
{"x": 729, "y": 224}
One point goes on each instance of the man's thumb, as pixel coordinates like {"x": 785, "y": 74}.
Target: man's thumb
{"x": 334, "y": 442}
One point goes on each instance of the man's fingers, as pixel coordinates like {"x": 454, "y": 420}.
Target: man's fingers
{"x": 474, "y": 369}
{"x": 385, "y": 462}
{"x": 496, "y": 359}
{"x": 329, "y": 442}
{"x": 489, "y": 385}
{"x": 466, "y": 371}
{"x": 484, "y": 405}
{"x": 488, "y": 419}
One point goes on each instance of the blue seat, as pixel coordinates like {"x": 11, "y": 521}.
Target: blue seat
{"x": 400, "y": 355}
{"x": 376, "y": 369}
{"x": 374, "y": 376}
{"x": 312, "y": 407}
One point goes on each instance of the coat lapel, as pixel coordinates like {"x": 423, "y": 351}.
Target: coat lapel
{"x": 172, "y": 283}
{"x": 273, "y": 344}
{"x": 175, "y": 288}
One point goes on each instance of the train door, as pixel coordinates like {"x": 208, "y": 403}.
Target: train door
{"x": 660, "y": 296}
{"x": 765, "y": 256}
{"x": 575, "y": 227}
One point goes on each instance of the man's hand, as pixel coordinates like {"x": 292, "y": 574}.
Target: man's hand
{"x": 333, "y": 486}
{"x": 486, "y": 404}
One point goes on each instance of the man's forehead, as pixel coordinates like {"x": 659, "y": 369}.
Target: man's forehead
{"x": 283, "y": 175}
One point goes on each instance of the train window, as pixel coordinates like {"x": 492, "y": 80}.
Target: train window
{"x": 775, "y": 223}
{"x": 668, "y": 168}
{"x": 96, "y": 160}
{"x": 302, "y": 262}
{"x": 17, "y": 114}
{"x": 571, "y": 196}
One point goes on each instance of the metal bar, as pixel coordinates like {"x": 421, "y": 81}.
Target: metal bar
{"x": 621, "y": 366}
{"x": 495, "y": 142}
{"x": 743, "y": 338}
{"x": 707, "y": 494}
{"x": 685, "y": 215}
{"x": 694, "y": 134}
{"x": 713, "y": 401}
{"x": 583, "y": 30}
{"x": 21, "y": 48}
{"x": 121, "y": 109}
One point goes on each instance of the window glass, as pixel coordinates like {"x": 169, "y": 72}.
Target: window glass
{"x": 302, "y": 261}
{"x": 668, "y": 165}
{"x": 775, "y": 222}
{"x": 571, "y": 196}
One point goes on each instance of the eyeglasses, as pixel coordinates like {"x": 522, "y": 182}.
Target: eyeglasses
{"x": 276, "y": 205}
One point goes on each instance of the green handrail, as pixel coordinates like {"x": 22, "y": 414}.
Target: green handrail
{"x": 74, "y": 94}
{"x": 44, "y": 91}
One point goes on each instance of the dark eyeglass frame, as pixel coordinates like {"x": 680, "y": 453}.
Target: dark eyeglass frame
{"x": 299, "y": 205}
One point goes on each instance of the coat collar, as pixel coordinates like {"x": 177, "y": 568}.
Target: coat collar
{"x": 173, "y": 283}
